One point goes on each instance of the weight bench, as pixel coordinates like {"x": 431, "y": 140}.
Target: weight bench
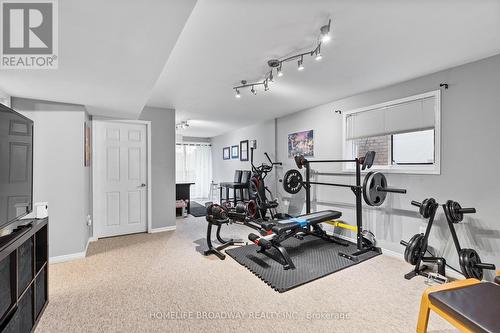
{"x": 279, "y": 231}
{"x": 470, "y": 305}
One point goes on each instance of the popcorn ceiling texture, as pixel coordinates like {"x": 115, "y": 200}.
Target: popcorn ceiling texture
{"x": 161, "y": 283}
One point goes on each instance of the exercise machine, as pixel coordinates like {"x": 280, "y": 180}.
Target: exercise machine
{"x": 374, "y": 191}
{"x": 261, "y": 199}
{"x": 417, "y": 247}
{"x": 295, "y": 227}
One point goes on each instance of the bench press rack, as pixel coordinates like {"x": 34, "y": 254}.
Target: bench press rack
{"x": 373, "y": 191}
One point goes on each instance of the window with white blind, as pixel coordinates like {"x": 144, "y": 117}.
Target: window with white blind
{"x": 404, "y": 133}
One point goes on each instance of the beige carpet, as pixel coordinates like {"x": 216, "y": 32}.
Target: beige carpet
{"x": 160, "y": 283}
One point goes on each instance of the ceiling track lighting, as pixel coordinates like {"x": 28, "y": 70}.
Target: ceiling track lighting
{"x": 277, "y": 64}
{"x": 182, "y": 125}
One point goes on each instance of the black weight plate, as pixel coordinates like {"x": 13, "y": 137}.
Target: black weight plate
{"x": 468, "y": 260}
{"x": 455, "y": 212}
{"x": 426, "y": 207}
{"x": 447, "y": 213}
{"x": 292, "y": 181}
{"x": 422, "y": 209}
{"x": 412, "y": 251}
{"x": 373, "y": 180}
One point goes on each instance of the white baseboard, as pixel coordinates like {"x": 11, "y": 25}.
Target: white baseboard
{"x": 72, "y": 256}
{"x": 155, "y": 230}
{"x": 67, "y": 257}
{"x": 449, "y": 272}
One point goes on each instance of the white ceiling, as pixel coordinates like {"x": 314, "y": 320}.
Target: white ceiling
{"x": 118, "y": 55}
{"x": 375, "y": 43}
{"x": 110, "y": 54}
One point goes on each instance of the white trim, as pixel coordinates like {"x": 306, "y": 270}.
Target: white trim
{"x": 156, "y": 230}
{"x": 72, "y": 256}
{"x": 67, "y": 257}
{"x": 434, "y": 169}
{"x": 449, "y": 272}
{"x": 393, "y": 254}
{"x": 149, "y": 199}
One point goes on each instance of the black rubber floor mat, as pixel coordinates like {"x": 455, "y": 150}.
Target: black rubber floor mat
{"x": 313, "y": 258}
{"x": 197, "y": 210}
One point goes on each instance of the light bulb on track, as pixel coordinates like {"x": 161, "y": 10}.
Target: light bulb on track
{"x": 301, "y": 64}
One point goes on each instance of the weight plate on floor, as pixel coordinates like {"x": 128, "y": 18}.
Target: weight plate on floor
{"x": 468, "y": 259}
{"x": 292, "y": 181}
{"x": 368, "y": 238}
{"x": 372, "y": 183}
{"x": 412, "y": 251}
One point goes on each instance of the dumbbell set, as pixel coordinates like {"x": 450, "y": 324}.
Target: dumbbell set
{"x": 417, "y": 247}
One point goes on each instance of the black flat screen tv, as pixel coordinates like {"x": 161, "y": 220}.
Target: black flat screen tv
{"x": 16, "y": 165}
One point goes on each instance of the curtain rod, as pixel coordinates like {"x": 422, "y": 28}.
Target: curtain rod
{"x": 193, "y": 144}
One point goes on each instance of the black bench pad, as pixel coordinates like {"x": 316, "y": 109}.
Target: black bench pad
{"x": 477, "y": 306}
{"x": 312, "y": 219}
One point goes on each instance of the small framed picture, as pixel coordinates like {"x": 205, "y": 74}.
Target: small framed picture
{"x": 226, "y": 153}
{"x": 244, "y": 150}
{"x": 234, "y": 151}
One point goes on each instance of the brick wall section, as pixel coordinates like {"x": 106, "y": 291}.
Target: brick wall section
{"x": 379, "y": 144}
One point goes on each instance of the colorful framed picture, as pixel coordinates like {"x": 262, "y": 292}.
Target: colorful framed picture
{"x": 226, "y": 153}
{"x": 244, "y": 150}
{"x": 301, "y": 143}
{"x": 234, "y": 151}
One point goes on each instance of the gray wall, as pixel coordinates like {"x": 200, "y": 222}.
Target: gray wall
{"x": 264, "y": 133}
{"x": 162, "y": 164}
{"x": 60, "y": 177}
{"x": 469, "y": 160}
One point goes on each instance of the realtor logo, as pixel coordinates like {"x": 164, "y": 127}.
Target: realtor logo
{"x": 29, "y": 34}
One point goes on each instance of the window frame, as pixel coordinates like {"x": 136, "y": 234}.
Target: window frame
{"x": 433, "y": 169}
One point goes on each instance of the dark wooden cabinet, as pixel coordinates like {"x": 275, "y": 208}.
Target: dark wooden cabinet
{"x": 23, "y": 275}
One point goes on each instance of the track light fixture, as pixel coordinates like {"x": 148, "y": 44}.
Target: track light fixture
{"x": 318, "y": 54}
{"x": 301, "y": 64}
{"x": 182, "y": 125}
{"x": 325, "y": 32}
{"x": 278, "y": 63}
{"x": 280, "y": 73}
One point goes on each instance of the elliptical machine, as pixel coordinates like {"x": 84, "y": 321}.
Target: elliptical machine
{"x": 257, "y": 191}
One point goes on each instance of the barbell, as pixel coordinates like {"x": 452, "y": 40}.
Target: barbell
{"x": 374, "y": 187}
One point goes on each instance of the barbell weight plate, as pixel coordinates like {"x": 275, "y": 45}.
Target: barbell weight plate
{"x": 455, "y": 212}
{"x": 423, "y": 208}
{"x": 426, "y": 207}
{"x": 469, "y": 259}
{"x": 412, "y": 251}
{"x": 368, "y": 238}
{"x": 292, "y": 181}
{"x": 371, "y": 184}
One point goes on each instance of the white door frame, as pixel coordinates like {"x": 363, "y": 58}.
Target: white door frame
{"x": 148, "y": 168}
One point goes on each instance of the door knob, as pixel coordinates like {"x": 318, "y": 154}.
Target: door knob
{"x": 142, "y": 185}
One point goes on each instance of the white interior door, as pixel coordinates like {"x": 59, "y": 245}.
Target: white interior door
{"x": 120, "y": 178}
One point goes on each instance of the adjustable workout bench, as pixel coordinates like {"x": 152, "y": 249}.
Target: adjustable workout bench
{"x": 470, "y": 305}
{"x": 281, "y": 230}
